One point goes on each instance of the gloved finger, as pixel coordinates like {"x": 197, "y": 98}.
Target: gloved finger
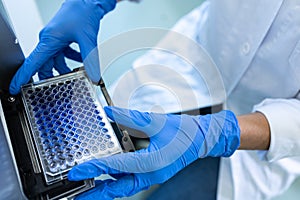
{"x": 46, "y": 71}
{"x": 149, "y": 123}
{"x": 131, "y": 118}
{"x": 72, "y": 54}
{"x": 110, "y": 189}
{"x": 89, "y": 52}
{"x": 90, "y": 194}
{"x": 95, "y": 168}
{"x": 60, "y": 64}
{"x": 40, "y": 55}
{"x": 141, "y": 161}
{"x": 119, "y": 175}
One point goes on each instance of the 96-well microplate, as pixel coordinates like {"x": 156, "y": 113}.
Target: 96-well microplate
{"x": 68, "y": 123}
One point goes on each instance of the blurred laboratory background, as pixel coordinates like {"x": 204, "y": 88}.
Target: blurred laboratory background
{"x": 30, "y": 16}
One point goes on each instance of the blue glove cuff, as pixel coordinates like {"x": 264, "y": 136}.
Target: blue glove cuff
{"x": 222, "y": 136}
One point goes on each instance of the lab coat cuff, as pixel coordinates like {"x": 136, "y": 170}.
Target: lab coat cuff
{"x": 283, "y": 117}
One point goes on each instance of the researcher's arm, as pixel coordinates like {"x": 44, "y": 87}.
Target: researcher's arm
{"x": 178, "y": 140}
{"x": 175, "y": 142}
{"x": 274, "y": 126}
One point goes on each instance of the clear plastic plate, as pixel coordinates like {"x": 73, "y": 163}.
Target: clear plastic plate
{"x": 68, "y": 123}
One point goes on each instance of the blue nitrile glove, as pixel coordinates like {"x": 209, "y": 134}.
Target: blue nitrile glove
{"x": 76, "y": 21}
{"x": 175, "y": 142}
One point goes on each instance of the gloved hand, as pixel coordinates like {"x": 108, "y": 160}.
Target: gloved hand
{"x": 175, "y": 142}
{"x": 76, "y": 21}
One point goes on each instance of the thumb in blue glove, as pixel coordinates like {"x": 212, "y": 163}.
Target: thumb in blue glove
{"x": 76, "y": 21}
{"x": 175, "y": 142}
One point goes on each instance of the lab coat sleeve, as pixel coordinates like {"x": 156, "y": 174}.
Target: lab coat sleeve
{"x": 283, "y": 117}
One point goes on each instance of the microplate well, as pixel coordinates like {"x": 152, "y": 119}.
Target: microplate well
{"x": 68, "y": 123}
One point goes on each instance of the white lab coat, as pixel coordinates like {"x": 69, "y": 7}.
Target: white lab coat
{"x": 255, "y": 45}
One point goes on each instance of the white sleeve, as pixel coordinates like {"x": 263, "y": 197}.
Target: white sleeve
{"x": 283, "y": 116}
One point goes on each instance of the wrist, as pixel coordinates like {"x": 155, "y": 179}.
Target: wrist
{"x": 255, "y": 131}
{"x": 222, "y": 135}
